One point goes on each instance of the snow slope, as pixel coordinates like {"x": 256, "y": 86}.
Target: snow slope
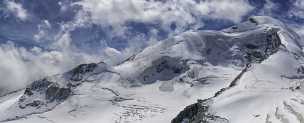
{"x": 248, "y": 73}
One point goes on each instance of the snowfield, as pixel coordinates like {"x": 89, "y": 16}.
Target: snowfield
{"x": 250, "y": 73}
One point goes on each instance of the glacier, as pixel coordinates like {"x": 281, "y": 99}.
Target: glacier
{"x": 249, "y": 73}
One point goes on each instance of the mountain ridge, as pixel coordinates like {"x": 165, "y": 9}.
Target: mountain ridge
{"x": 156, "y": 84}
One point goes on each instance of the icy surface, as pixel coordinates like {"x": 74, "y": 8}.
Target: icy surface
{"x": 249, "y": 73}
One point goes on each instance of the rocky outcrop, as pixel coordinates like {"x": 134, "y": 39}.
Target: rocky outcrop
{"x": 198, "y": 113}
{"x": 78, "y": 73}
{"x": 45, "y": 94}
{"x": 48, "y": 90}
{"x": 260, "y": 51}
{"x": 42, "y": 92}
{"x": 255, "y": 53}
{"x": 163, "y": 69}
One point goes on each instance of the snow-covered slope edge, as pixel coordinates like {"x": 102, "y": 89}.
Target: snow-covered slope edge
{"x": 247, "y": 73}
{"x": 269, "y": 92}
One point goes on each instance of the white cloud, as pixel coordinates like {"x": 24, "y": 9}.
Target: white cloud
{"x": 182, "y": 12}
{"x": 43, "y": 29}
{"x": 16, "y": 9}
{"x": 269, "y": 6}
{"x": 297, "y": 9}
{"x": 12, "y": 69}
{"x": 299, "y": 29}
{"x": 20, "y": 66}
{"x": 232, "y": 10}
{"x": 299, "y": 3}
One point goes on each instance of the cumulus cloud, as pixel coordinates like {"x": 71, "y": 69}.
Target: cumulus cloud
{"x": 16, "y": 9}
{"x": 167, "y": 17}
{"x": 12, "y": 69}
{"x": 20, "y": 66}
{"x": 299, "y": 3}
{"x": 182, "y": 12}
{"x": 43, "y": 29}
{"x": 232, "y": 10}
{"x": 297, "y": 9}
{"x": 268, "y": 8}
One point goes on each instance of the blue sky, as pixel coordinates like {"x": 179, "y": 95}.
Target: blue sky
{"x": 30, "y": 15}
{"x": 149, "y": 19}
{"x": 43, "y": 37}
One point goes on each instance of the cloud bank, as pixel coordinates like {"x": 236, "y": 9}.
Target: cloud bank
{"x": 181, "y": 12}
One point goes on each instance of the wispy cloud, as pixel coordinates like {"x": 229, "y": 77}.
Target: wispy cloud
{"x": 182, "y": 12}
{"x": 16, "y": 9}
{"x": 297, "y": 9}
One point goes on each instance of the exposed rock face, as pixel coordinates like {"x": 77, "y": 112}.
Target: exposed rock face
{"x": 198, "y": 113}
{"x": 213, "y": 47}
{"x": 163, "y": 69}
{"x": 45, "y": 92}
{"x": 43, "y": 95}
{"x": 255, "y": 53}
{"x": 51, "y": 91}
{"x": 78, "y": 73}
{"x": 260, "y": 51}
{"x": 54, "y": 92}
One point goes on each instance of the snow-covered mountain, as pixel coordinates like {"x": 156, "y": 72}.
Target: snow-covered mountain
{"x": 249, "y": 73}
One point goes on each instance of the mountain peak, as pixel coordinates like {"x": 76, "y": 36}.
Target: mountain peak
{"x": 255, "y": 61}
